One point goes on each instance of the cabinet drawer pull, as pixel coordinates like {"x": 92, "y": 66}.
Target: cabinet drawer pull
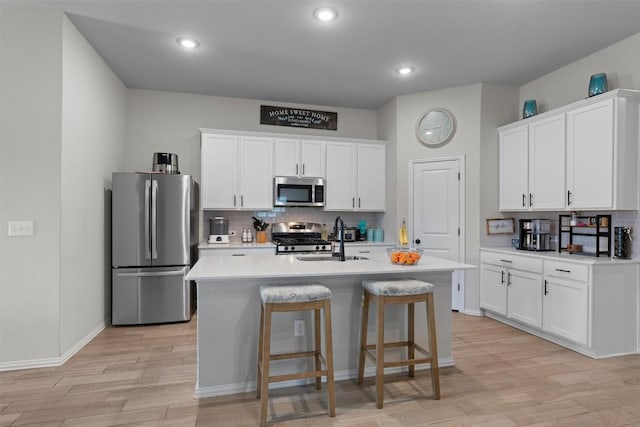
{"x": 506, "y": 260}
{"x": 237, "y": 254}
{"x": 563, "y": 271}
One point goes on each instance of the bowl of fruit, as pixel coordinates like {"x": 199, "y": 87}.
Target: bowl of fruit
{"x": 404, "y": 256}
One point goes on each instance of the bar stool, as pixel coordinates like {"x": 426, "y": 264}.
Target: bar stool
{"x": 406, "y": 291}
{"x": 298, "y": 297}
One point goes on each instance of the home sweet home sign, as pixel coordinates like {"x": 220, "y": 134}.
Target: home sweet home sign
{"x": 298, "y": 117}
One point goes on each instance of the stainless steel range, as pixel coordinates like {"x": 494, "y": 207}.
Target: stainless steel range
{"x": 295, "y": 237}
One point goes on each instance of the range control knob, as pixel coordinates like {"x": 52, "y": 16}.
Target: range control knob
{"x": 286, "y": 248}
{"x": 317, "y": 248}
{"x": 293, "y": 248}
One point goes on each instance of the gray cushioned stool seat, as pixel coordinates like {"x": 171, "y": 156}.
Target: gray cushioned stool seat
{"x": 303, "y": 292}
{"x": 399, "y": 287}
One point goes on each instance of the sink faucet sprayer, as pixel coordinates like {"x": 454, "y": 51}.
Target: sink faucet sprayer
{"x": 335, "y": 232}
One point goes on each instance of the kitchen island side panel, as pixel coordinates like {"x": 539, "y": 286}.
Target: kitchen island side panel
{"x": 228, "y": 325}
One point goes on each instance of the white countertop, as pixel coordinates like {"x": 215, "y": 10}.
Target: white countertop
{"x": 271, "y": 266}
{"x": 564, "y": 256}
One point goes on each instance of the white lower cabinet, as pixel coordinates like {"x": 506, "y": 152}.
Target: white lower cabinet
{"x": 588, "y": 305}
{"x": 566, "y": 309}
{"x": 511, "y": 286}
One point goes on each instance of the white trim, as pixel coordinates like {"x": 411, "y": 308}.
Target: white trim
{"x": 223, "y": 390}
{"x": 52, "y": 361}
{"x": 472, "y": 312}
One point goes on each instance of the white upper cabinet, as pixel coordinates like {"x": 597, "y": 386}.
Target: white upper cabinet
{"x": 300, "y": 157}
{"x": 532, "y": 165}
{"x": 237, "y": 172}
{"x": 602, "y": 155}
{"x": 356, "y": 178}
{"x": 514, "y": 169}
{"x": 582, "y": 156}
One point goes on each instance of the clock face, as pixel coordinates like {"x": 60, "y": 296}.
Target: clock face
{"x": 436, "y": 127}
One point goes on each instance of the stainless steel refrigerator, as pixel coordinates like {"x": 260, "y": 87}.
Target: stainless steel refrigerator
{"x": 153, "y": 245}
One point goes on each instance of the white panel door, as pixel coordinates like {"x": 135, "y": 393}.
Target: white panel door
{"x": 493, "y": 289}
{"x": 219, "y": 172}
{"x": 286, "y": 157}
{"x": 371, "y": 179}
{"x": 514, "y": 169}
{"x": 566, "y": 309}
{"x": 547, "y": 163}
{"x": 435, "y": 222}
{"x": 341, "y": 176}
{"x": 313, "y": 154}
{"x": 590, "y": 156}
{"x": 256, "y": 173}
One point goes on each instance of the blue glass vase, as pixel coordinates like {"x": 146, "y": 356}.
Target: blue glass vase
{"x": 598, "y": 84}
{"x": 530, "y": 108}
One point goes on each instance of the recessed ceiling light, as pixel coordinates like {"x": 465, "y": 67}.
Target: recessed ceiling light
{"x": 325, "y": 14}
{"x": 405, "y": 70}
{"x": 188, "y": 43}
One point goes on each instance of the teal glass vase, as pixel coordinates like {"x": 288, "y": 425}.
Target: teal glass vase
{"x": 598, "y": 84}
{"x": 530, "y": 108}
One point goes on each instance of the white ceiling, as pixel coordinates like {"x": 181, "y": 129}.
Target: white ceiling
{"x": 275, "y": 50}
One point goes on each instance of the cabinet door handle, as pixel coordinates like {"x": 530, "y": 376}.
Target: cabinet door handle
{"x": 353, "y": 202}
{"x": 241, "y": 200}
{"x": 296, "y": 169}
{"x": 303, "y": 169}
{"x": 234, "y": 200}
{"x": 502, "y": 277}
{"x": 563, "y": 271}
{"x": 524, "y": 200}
{"x": 358, "y": 201}
{"x": 546, "y": 291}
{"x": 506, "y": 260}
{"x": 530, "y": 199}
{"x": 509, "y": 279}
{"x": 568, "y": 198}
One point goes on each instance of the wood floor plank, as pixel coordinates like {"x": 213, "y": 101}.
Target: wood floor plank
{"x": 503, "y": 377}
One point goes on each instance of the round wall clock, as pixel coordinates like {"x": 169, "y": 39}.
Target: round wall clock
{"x": 436, "y": 127}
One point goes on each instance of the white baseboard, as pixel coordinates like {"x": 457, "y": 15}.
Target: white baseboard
{"x": 250, "y": 386}
{"x": 472, "y": 312}
{"x": 52, "y": 361}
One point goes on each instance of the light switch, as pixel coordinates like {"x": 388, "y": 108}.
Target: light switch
{"x": 20, "y": 228}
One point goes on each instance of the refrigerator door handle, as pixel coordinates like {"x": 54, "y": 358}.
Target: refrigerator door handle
{"x": 154, "y": 274}
{"x": 154, "y": 219}
{"x": 147, "y": 240}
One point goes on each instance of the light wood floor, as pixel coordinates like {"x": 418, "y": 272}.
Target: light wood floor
{"x": 145, "y": 376}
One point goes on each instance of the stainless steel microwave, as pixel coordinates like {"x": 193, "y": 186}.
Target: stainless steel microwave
{"x": 292, "y": 191}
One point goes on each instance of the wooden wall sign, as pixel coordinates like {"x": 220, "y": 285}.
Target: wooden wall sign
{"x": 298, "y": 117}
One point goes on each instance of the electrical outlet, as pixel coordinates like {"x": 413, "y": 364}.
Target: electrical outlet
{"x": 232, "y": 233}
{"x": 20, "y": 228}
{"x": 298, "y": 328}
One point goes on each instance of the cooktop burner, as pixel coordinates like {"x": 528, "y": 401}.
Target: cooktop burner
{"x": 292, "y": 237}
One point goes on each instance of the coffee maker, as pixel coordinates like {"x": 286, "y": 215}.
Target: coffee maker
{"x": 535, "y": 234}
{"x": 219, "y": 229}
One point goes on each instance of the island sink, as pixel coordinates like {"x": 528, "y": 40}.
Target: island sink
{"x": 329, "y": 258}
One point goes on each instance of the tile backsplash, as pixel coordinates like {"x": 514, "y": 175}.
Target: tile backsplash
{"x": 618, "y": 219}
{"x": 242, "y": 219}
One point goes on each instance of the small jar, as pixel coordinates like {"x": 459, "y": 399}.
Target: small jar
{"x": 574, "y": 219}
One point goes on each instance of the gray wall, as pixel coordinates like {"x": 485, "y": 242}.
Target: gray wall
{"x": 62, "y": 112}
{"x": 93, "y": 118}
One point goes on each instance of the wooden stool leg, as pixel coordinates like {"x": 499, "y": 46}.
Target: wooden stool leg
{"x": 380, "y": 352}
{"x": 411, "y": 354}
{"x": 317, "y": 349}
{"x": 260, "y": 344}
{"x": 266, "y": 351}
{"x": 363, "y": 335}
{"x": 433, "y": 347}
{"x": 328, "y": 338}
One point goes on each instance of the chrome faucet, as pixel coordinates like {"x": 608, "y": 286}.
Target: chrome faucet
{"x": 335, "y": 233}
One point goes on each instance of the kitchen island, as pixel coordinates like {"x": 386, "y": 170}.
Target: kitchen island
{"x": 229, "y": 313}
